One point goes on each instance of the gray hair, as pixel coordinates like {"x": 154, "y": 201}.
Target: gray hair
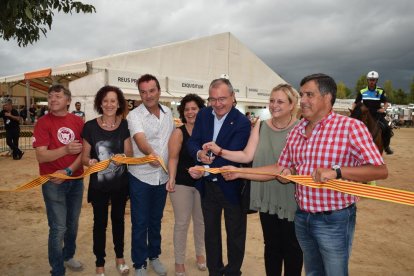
{"x": 60, "y": 88}
{"x": 220, "y": 81}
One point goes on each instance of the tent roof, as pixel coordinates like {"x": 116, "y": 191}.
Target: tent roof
{"x": 12, "y": 78}
{"x": 199, "y": 60}
{"x": 69, "y": 69}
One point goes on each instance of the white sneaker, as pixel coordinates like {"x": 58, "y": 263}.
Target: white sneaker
{"x": 73, "y": 264}
{"x": 141, "y": 272}
{"x": 158, "y": 267}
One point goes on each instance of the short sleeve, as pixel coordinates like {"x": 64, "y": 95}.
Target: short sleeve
{"x": 362, "y": 145}
{"x": 41, "y": 135}
{"x": 86, "y": 132}
{"x": 134, "y": 123}
{"x": 124, "y": 130}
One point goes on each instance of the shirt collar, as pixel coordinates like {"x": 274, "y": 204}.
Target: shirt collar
{"x": 222, "y": 118}
{"x": 302, "y": 125}
{"x": 149, "y": 113}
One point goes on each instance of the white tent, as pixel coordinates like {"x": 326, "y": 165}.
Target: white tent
{"x": 181, "y": 67}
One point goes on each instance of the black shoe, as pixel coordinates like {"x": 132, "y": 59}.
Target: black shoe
{"x": 20, "y": 155}
{"x": 388, "y": 150}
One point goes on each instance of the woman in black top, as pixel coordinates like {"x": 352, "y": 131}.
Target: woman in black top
{"x": 104, "y": 137}
{"x": 184, "y": 196}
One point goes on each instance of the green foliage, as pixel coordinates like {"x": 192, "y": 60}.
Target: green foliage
{"x": 343, "y": 92}
{"x": 361, "y": 83}
{"x": 389, "y": 90}
{"x": 23, "y": 20}
{"x": 400, "y": 97}
{"x": 411, "y": 95}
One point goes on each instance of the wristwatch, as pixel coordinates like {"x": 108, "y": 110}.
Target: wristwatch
{"x": 68, "y": 171}
{"x": 337, "y": 168}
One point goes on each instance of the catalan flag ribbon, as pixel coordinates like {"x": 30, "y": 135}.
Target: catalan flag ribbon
{"x": 90, "y": 170}
{"x": 344, "y": 186}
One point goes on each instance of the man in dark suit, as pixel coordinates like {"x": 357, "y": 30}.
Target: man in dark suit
{"x": 230, "y": 129}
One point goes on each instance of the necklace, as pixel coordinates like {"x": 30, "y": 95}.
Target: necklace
{"x": 290, "y": 120}
{"x": 105, "y": 124}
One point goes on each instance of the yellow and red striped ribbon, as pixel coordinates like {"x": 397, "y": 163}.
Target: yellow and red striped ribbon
{"x": 340, "y": 185}
{"x": 90, "y": 170}
{"x": 344, "y": 186}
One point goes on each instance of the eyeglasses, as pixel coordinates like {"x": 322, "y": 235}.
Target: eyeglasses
{"x": 219, "y": 100}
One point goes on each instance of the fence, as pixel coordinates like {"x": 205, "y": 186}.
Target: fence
{"x": 25, "y": 140}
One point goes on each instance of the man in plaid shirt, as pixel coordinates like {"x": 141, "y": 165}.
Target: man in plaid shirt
{"x": 326, "y": 146}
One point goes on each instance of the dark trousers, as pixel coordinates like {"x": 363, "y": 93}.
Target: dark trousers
{"x": 386, "y": 132}
{"x": 100, "y": 203}
{"x": 281, "y": 246}
{"x": 147, "y": 207}
{"x": 213, "y": 204}
{"x": 12, "y": 140}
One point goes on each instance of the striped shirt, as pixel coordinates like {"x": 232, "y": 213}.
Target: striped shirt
{"x": 335, "y": 140}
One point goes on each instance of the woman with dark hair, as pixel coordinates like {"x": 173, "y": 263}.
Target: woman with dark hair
{"x": 184, "y": 196}
{"x": 104, "y": 137}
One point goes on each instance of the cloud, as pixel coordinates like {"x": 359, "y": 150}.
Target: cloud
{"x": 344, "y": 39}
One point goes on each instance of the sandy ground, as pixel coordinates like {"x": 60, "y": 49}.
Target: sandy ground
{"x": 383, "y": 244}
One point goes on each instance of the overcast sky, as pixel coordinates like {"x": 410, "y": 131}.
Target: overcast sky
{"x": 344, "y": 39}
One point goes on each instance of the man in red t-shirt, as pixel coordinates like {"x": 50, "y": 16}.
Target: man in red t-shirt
{"x": 58, "y": 145}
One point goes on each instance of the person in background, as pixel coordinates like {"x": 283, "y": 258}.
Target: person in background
{"x": 324, "y": 145}
{"x": 23, "y": 114}
{"x": 78, "y": 111}
{"x": 11, "y": 120}
{"x": 43, "y": 111}
{"x": 32, "y": 113}
{"x": 58, "y": 145}
{"x": 104, "y": 137}
{"x": 184, "y": 196}
{"x": 274, "y": 201}
{"x": 150, "y": 125}
{"x": 374, "y": 98}
{"x": 222, "y": 123}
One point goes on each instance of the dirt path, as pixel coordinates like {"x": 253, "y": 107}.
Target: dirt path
{"x": 383, "y": 245}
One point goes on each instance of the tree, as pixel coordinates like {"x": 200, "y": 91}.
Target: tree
{"x": 23, "y": 20}
{"x": 411, "y": 96}
{"x": 343, "y": 92}
{"x": 361, "y": 83}
{"x": 389, "y": 91}
{"x": 400, "y": 97}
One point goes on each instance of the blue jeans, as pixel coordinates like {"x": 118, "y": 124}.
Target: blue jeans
{"x": 63, "y": 206}
{"x": 147, "y": 207}
{"x": 326, "y": 240}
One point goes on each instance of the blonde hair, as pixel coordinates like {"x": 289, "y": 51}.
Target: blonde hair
{"x": 291, "y": 93}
